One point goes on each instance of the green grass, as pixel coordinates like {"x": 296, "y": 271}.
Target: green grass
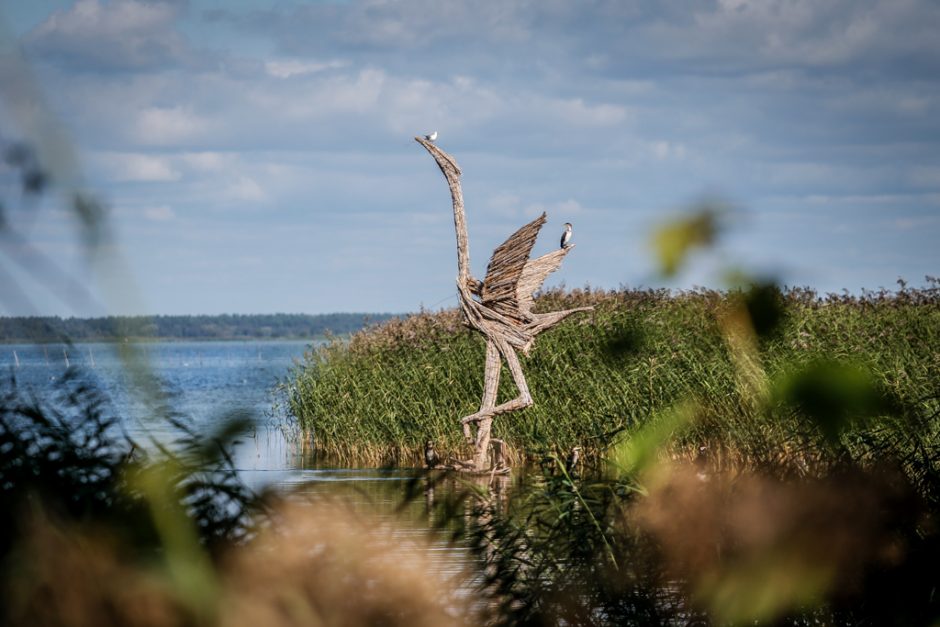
{"x": 376, "y": 398}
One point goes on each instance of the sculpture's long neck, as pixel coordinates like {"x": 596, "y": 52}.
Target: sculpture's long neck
{"x": 452, "y": 173}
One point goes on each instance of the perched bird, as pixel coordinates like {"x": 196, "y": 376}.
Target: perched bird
{"x": 430, "y": 455}
{"x": 566, "y": 236}
{"x": 571, "y": 464}
{"x": 431, "y": 137}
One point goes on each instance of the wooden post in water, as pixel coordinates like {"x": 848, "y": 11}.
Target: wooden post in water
{"x": 499, "y": 307}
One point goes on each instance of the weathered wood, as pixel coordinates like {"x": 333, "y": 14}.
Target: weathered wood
{"x": 500, "y": 286}
{"x": 503, "y": 314}
{"x": 534, "y": 274}
{"x": 452, "y": 173}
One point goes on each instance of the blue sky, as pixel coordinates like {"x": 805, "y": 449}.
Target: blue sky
{"x": 257, "y": 156}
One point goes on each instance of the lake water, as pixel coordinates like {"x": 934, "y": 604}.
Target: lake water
{"x": 208, "y": 382}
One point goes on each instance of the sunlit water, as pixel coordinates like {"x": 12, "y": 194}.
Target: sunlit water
{"x": 206, "y": 382}
{"x": 209, "y": 383}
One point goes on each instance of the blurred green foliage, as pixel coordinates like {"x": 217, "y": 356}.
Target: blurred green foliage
{"x": 677, "y": 239}
{"x": 66, "y": 461}
{"x": 835, "y": 396}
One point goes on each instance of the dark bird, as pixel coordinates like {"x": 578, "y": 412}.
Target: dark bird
{"x": 431, "y": 458}
{"x": 566, "y": 236}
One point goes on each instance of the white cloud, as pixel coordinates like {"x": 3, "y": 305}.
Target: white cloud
{"x": 925, "y": 176}
{"x": 113, "y": 18}
{"x": 120, "y": 34}
{"x": 286, "y": 68}
{"x": 663, "y": 149}
{"x": 136, "y": 167}
{"x": 579, "y": 113}
{"x": 169, "y": 125}
{"x": 504, "y": 203}
{"x": 908, "y": 223}
{"x": 208, "y": 161}
{"x": 161, "y": 213}
{"x": 245, "y": 189}
{"x": 568, "y": 207}
{"x": 914, "y": 105}
{"x": 775, "y": 34}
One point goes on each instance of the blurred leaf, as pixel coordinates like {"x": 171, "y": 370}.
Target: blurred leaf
{"x": 765, "y": 306}
{"x": 35, "y": 181}
{"x": 231, "y": 426}
{"x": 188, "y": 565}
{"x": 764, "y": 587}
{"x": 626, "y": 340}
{"x": 639, "y": 450}
{"x": 23, "y": 157}
{"x": 834, "y": 395}
{"x": 19, "y": 155}
{"x": 91, "y": 214}
{"x": 674, "y": 241}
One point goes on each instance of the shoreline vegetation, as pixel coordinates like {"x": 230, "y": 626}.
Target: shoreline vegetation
{"x": 638, "y": 361}
{"x": 225, "y": 327}
{"x": 751, "y": 456}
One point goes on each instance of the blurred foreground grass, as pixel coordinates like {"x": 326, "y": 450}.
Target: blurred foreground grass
{"x": 97, "y": 529}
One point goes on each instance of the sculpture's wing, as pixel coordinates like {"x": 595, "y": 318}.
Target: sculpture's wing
{"x": 533, "y": 275}
{"x": 506, "y": 269}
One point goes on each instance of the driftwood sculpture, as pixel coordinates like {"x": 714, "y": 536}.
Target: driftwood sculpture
{"x": 499, "y": 307}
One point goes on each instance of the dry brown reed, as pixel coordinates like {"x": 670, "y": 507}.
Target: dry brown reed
{"x": 69, "y": 576}
{"x": 322, "y": 565}
{"x": 752, "y": 547}
{"x": 327, "y": 565}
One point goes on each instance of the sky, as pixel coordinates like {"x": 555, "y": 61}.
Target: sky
{"x": 258, "y": 156}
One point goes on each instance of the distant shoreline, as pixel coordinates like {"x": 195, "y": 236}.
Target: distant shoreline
{"x": 157, "y": 340}
{"x": 225, "y": 327}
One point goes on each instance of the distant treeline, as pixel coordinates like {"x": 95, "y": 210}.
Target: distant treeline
{"x": 223, "y": 327}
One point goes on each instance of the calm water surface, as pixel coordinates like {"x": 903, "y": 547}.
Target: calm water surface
{"x": 205, "y": 381}
{"x": 210, "y": 382}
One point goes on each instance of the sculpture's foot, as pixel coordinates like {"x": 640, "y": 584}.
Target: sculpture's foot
{"x": 468, "y": 468}
{"x": 477, "y": 417}
{"x": 509, "y": 406}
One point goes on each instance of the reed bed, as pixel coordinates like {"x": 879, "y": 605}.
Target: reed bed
{"x": 377, "y": 397}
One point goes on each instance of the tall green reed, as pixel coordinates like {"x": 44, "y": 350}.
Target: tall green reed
{"x": 376, "y": 398}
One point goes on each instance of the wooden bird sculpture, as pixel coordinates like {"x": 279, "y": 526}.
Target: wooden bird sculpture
{"x": 499, "y": 306}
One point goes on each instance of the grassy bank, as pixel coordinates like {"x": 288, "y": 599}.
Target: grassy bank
{"x": 376, "y": 398}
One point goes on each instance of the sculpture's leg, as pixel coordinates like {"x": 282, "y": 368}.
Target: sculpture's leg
{"x": 490, "y": 390}
{"x": 490, "y": 385}
{"x": 520, "y": 402}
